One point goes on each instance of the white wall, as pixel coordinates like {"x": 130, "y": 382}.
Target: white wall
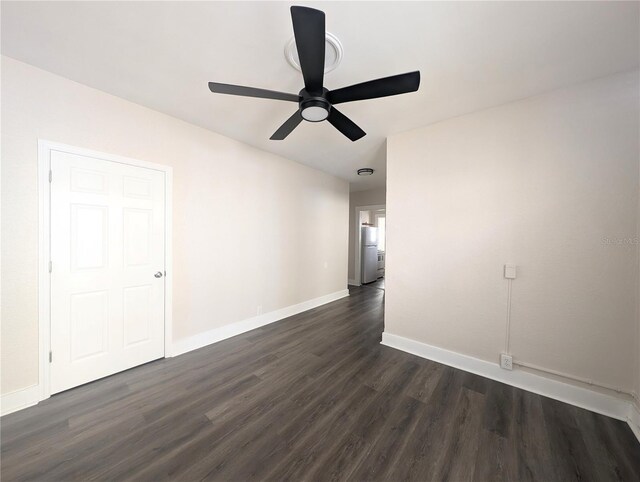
{"x": 541, "y": 183}
{"x": 369, "y": 197}
{"x": 250, "y": 228}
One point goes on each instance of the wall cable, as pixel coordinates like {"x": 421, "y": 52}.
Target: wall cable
{"x": 507, "y": 341}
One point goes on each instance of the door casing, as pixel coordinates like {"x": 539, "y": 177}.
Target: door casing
{"x": 45, "y": 148}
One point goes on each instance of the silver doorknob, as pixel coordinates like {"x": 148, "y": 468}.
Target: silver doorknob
{"x": 158, "y": 274}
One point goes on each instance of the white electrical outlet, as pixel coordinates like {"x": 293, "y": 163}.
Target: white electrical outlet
{"x": 506, "y": 361}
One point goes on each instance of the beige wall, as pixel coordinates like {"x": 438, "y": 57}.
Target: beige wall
{"x": 637, "y": 388}
{"x": 541, "y": 183}
{"x": 360, "y": 198}
{"x": 250, "y": 228}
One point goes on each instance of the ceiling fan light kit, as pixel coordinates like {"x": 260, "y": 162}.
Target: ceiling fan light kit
{"x": 315, "y": 102}
{"x": 314, "y": 109}
{"x": 365, "y": 171}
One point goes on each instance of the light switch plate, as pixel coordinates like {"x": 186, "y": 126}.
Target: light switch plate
{"x": 510, "y": 271}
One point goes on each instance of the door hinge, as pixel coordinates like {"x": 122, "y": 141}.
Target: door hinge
{"x": 50, "y": 175}
{"x": 50, "y": 356}
{"x": 50, "y": 266}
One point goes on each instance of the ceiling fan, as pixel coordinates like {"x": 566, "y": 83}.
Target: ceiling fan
{"x": 315, "y": 102}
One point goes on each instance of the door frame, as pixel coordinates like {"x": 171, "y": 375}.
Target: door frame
{"x": 358, "y": 238}
{"x": 45, "y": 148}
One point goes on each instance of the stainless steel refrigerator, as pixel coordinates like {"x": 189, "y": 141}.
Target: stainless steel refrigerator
{"x": 369, "y": 262}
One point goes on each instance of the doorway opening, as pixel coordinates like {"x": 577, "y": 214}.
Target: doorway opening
{"x": 370, "y": 245}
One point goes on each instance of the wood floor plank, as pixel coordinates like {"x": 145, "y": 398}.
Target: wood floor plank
{"x": 529, "y": 439}
{"x": 457, "y": 461}
{"x": 386, "y": 452}
{"x": 611, "y": 460}
{"x": 621, "y": 444}
{"x": 494, "y": 458}
{"x": 425, "y": 381}
{"x": 305, "y": 449}
{"x": 498, "y": 413}
{"x": 569, "y": 456}
{"x": 312, "y": 397}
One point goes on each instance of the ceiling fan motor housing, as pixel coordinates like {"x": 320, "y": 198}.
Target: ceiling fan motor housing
{"x": 314, "y": 108}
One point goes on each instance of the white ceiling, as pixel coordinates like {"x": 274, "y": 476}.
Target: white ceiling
{"x": 471, "y": 56}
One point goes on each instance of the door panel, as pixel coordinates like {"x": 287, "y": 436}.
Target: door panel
{"x": 137, "y": 314}
{"x": 137, "y": 188}
{"x": 137, "y": 237}
{"x": 89, "y": 324}
{"x": 83, "y": 180}
{"x": 89, "y": 236}
{"x": 107, "y": 242}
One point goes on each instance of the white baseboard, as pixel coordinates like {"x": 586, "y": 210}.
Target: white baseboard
{"x": 634, "y": 419}
{"x": 581, "y": 397}
{"x": 14, "y": 401}
{"x": 233, "y": 329}
{"x": 353, "y": 282}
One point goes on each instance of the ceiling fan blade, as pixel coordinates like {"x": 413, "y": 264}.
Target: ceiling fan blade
{"x": 345, "y": 125}
{"x": 394, "y": 85}
{"x": 286, "y": 128}
{"x": 251, "y": 92}
{"x": 309, "y": 31}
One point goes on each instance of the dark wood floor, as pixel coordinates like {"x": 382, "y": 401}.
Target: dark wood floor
{"x": 379, "y": 283}
{"x": 313, "y": 397}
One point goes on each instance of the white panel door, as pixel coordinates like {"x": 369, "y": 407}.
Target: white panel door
{"x": 107, "y": 283}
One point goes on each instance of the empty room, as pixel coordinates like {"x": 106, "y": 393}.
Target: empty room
{"x": 357, "y": 241}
